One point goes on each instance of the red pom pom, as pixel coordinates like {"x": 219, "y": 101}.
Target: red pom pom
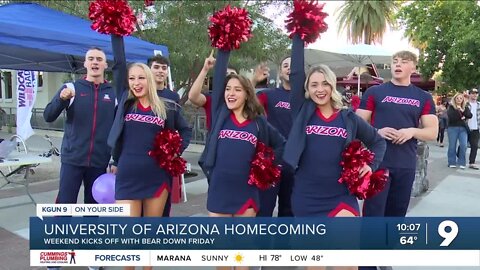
{"x": 355, "y": 102}
{"x": 372, "y": 183}
{"x": 112, "y": 17}
{"x": 166, "y": 151}
{"x": 229, "y": 28}
{"x": 354, "y": 157}
{"x": 307, "y": 20}
{"x": 263, "y": 172}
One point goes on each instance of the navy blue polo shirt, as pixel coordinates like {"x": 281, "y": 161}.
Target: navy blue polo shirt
{"x": 398, "y": 107}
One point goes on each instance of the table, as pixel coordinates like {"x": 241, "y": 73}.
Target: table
{"x": 18, "y": 162}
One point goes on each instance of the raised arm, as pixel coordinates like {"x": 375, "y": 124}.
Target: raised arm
{"x": 260, "y": 74}
{"x": 219, "y": 82}
{"x": 297, "y": 75}
{"x": 56, "y": 106}
{"x": 119, "y": 68}
{"x": 195, "y": 94}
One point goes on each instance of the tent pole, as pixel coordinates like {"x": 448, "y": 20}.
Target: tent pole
{"x": 170, "y": 81}
{"x": 358, "y": 83}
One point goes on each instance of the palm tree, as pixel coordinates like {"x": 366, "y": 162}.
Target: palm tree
{"x": 366, "y": 21}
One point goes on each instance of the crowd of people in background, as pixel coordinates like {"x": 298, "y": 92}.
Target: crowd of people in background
{"x": 460, "y": 117}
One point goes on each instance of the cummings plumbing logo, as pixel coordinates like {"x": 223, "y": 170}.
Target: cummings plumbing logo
{"x": 54, "y": 257}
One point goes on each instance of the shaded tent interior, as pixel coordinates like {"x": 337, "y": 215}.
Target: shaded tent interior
{"x": 43, "y": 39}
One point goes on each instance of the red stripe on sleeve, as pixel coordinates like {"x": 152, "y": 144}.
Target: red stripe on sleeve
{"x": 427, "y": 108}
{"x": 370, "y": 103}
{"x": 263, "y": 98}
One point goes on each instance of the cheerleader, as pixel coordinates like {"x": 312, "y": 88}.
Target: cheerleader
{"x": 237, "y": 126}
{"x": 321, "y": 124}
{"x": 141, "y": 114}
{"x": 321, "y": 131}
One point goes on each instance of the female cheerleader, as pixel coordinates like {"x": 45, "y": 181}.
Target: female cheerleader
{"x": 321, "y": 131}
{"x": 141, "y": 114}
{"x": 237, "y": 126}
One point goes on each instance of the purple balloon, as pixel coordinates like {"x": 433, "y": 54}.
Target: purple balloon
{"x": 103, "y": 189}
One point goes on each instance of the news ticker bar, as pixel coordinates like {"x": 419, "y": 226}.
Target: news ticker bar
{"x": 203, "y": 233}
{"x": 254, "y": 258}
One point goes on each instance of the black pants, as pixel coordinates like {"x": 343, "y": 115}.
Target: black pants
{"x": 473, "y": 141}
{"x": 441, "y": 135}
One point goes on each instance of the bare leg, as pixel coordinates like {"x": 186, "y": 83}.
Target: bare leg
{"x": 153, "y": 207}
{"x": 345, "y": 213}
{"x": 135, "y": 211}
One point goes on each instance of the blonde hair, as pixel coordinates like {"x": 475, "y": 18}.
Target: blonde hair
{"x": 454, "y": 104}
{"x": 406, "y": 55}
{"x": 331, "y": 79}
{"x": 157, "y": 104}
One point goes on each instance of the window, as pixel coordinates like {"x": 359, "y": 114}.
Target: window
{"x": 7, "y": 78}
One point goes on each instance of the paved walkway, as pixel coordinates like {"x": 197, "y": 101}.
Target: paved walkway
{"x": 453, "y": 192}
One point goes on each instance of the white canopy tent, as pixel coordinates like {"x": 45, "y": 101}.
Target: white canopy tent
{"x": 357, "y": 55}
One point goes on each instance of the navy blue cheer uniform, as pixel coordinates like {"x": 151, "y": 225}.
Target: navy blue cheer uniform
{"x": 235, "y": 150}
{"x": 230, "y": 148}
{"x": 396, "y": 107}
{"x": 277, "y": 108}
{"x": 317, "y": 191}
{"x": 138, "y": 175}
{"x": 314, "y": 148}
{"x": 132, "y": 137}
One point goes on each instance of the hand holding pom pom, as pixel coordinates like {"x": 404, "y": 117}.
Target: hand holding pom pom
{"x": 166, "y": 151}
{"x": 354, "y": 158}
{"x": 112, "y": 17}
{"x": 263, "y": 172}
{"x": 229, "y": 28}
{"x": 307, "y": 20}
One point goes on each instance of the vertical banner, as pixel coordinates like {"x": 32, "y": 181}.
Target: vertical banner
{"x": 26, "y": 94}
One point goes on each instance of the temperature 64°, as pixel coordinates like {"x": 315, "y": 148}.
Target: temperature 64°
{"x": 410, "y": 240}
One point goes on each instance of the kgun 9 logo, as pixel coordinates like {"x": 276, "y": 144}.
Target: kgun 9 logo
{"x": 448, "y": 234}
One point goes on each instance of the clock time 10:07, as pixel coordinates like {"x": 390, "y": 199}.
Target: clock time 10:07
{"x": 412, "y": 227}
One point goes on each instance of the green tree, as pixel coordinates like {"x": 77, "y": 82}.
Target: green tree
{"x": 182, "y": 27}
{"x": 366, "y": 21}
{"x": 449, "y": 35}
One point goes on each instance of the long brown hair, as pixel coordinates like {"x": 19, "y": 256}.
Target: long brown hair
{"x": 252, "y": 107}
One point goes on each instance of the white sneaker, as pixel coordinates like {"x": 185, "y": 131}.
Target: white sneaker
{"x": 452, "y": 166}
{"x": 462, "y": 167}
